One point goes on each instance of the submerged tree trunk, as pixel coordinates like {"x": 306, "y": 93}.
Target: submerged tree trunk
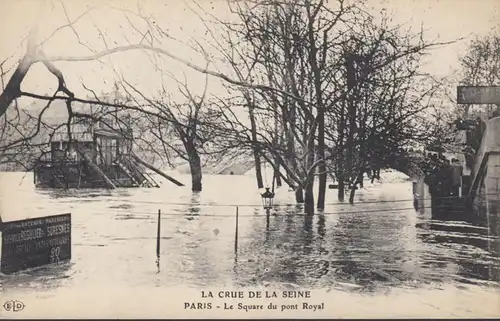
{"x": 351, "y": 196}
{"x": 309, "y": 176}
{"x": 195, "y": 167}
{"x": 320, "y": 119}
{"x": 309, "y": 188}
{"x": 340, "y": 156}
{"x": 341, "y": 188}
{"x": 349, "y": 161}
{"x": 196, "y": 174}
{"x": 340, "y": 178}
{"x": 309, "y": 198}
{"x": 359, "y": 180}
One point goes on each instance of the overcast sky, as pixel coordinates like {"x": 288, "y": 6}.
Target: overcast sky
{"x": 445, "y": 19}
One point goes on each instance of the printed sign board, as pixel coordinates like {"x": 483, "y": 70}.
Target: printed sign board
{"x": 35, "y": 242}
{"x": 478, "y": 94}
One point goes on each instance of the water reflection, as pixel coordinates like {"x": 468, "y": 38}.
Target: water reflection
{"x": 42, "y": 278}
{"x": 307, "y": 235}
{"x": 470, "y": 240}
{"x": 321, "y": 226}
{"x": 267, "y": 225}
{"x": 82, "y": 193}
{"x": 368, "y": 251}
{"x": 194, "y": 205}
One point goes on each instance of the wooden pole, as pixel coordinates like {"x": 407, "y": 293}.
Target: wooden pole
{"x": 274, "y": 179}
{"x": 157, "y": 171}
{"x": 158, "y": 234}
{"x": 236, "y": 233}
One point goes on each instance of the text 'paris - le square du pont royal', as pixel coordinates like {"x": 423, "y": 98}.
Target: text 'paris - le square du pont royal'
{"x": 253, "y": 295}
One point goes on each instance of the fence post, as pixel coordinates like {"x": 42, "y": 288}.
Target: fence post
{"x": 158, "y": 241}
{"x": 236, "y": 233}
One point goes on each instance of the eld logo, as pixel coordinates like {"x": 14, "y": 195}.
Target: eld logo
{"x": 13, "y": 305}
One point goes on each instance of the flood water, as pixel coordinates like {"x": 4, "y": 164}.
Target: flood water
{"x": 380, "y": 246}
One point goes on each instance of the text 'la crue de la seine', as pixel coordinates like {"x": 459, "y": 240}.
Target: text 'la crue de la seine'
{"x": 298, "y": 300}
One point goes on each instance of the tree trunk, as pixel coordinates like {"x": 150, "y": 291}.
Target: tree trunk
{"x": 321, "y": 155}
{"x": 359, "y": 179}
{"x": 290, "y": 155}
{"x": 341, "y": 187}
{"x": 195, "y": 167}
{"x": 351, "y": 79}
{"x": 340, "y": 156}
{"x": 277, "y": 174}
{"x": 291, "y": 161}
{"x": 256, "y": 149}
{"x": 13, "y": 88}
{"x": 309, "y": 198}
{"x": 196, "y": 175}
{"x": 299, "y": 195}
{"x": 309, "y": 189}
{"x": 318, "y": 93}
{"x": 276, "y": 142}
{"x": 290, "y": 179}
{"x": 351, "y": 195}
{"x": 258, "y": 168}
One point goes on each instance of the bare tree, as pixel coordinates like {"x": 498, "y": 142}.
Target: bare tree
{"x": 181, "y": 130}
{"x": 313, "y": 50}
{"x": 480, "y": 65}
{"x": 388, "y": 99}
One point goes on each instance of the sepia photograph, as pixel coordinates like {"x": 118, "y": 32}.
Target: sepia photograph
{"x": 249, "y": 159}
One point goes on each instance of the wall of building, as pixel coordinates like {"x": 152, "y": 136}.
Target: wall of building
{"x": 487, "y": 199}
{"x": 492, "y": 187}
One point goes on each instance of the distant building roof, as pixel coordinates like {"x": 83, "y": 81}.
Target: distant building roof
{"x": 109, "y": 133}
{"x": 79, "y": 136}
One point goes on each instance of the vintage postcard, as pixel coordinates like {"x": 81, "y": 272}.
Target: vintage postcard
{"x": 249, "y": 159}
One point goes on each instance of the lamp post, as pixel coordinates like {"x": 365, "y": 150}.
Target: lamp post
{"x": 267, "y": 200}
